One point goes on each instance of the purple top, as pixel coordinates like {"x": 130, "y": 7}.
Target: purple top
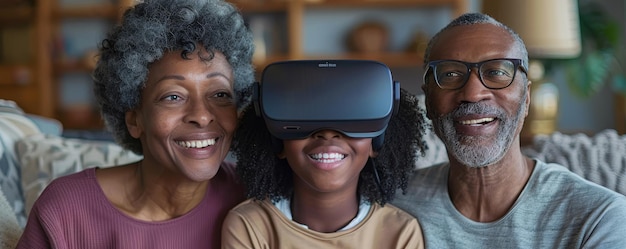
{"x": 73, "y": 212}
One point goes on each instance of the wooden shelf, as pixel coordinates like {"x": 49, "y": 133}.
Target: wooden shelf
{"x": 16, "y": 75}
{"x": 380, "y": 3}
{"x": 39, "y": 95}
{"x": 105, "y": 10}
{"x": 73, "y": 66}
{"x": 16, "y": 15}
{"x": 256, "y": 6}
{"x": 34, "y": 84}
{"x": 457, "y": 6}
{"x": 294, "y": 11}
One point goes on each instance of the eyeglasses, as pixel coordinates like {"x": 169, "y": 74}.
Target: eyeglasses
{"x": 493, "y": 74}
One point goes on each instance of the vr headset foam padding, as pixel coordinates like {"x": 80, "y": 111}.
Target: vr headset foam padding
{"x": 354, "y": 97}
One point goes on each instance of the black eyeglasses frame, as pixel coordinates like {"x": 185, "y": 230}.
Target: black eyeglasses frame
{"x": 517, "y": 63}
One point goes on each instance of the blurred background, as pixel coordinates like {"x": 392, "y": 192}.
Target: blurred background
{"x": 48, "y": 49}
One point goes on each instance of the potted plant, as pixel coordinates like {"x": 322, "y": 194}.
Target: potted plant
{"x": 602, "y": 61}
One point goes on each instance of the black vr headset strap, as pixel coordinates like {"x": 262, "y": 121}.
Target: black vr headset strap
{"x": 396, "y": 97}
{"x": 277, "y": 144}
{"x": 377, "y": 142}
{"x": 256, "y": 93}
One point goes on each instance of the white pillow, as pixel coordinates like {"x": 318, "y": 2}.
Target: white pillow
{"x": 45, "y": 157}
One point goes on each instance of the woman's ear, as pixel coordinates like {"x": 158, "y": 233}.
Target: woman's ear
{"x": 133, "y": 124}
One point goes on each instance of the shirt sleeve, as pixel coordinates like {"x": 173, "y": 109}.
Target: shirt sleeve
{"x": 606, "y": 232}
{"x": 238, "y": 232}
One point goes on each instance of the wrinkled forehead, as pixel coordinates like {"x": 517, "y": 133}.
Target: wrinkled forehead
{"x": 473, "y": 43}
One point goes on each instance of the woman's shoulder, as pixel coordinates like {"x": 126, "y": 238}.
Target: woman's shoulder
{"x": 69, "y": 182}
{"x": 68, "y": 190}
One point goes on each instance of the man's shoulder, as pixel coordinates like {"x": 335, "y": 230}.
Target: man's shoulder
{"x": 557, "y": 179}
{"x": 557, "y": 173}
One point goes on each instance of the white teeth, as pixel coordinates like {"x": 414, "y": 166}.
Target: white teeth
{"x": 197, "y": 143}
{"x": 476, "y": 121}
{"x": 327, "y": 157}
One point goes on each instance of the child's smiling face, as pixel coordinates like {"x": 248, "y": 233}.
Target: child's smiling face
{"x": 327, "y": 161}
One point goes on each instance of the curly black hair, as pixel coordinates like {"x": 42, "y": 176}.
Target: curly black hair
{"x": 148, "y": 31}
{"x": 268, "y": 177}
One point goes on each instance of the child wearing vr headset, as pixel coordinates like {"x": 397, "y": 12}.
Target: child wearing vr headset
{"x": 322, "y": 149}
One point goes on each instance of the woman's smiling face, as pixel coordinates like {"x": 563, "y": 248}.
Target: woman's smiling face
{"x": 187, "y": 114}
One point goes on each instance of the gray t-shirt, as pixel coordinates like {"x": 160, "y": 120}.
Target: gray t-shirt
{"x": 556, "y": 209}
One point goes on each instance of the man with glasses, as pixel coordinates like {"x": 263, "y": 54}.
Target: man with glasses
{"x": 490, "y": 195}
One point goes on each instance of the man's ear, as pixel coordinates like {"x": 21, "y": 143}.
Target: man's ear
{"x": 425, "y": 89}
{"x": 528, "y": 88}
{"x": 133, "y": 124}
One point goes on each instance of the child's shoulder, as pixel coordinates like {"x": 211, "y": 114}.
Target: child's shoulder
{"x": 390, "y": 214}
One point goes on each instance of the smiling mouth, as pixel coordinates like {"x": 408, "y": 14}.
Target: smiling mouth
{"x": 327, "y": 157}
{"x": 480, "y": 121}
{"x": 197, "y": 144}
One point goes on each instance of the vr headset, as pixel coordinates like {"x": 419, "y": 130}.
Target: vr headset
{"x": 354, "y": 97}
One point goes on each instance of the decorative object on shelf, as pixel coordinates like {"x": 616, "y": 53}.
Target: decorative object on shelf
{"x": 22, "y": 75}
{"x": 544, "y": 102}
{"x": 418, "y": 43}
{"x": 90, "y": 59}
{"x": 259, "y": 30}
{"x": 15, "y": 75}
{"x": 550, "y": 30}
{"x": 80, "y": 116}
{"x": 369, "y": 37}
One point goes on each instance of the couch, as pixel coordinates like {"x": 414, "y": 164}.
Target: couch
{"x": 34, "y": 150}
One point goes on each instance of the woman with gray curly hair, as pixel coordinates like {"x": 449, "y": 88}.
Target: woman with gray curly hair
{"x": 169, "y": 82}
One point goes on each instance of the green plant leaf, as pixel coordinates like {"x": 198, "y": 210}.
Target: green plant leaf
{"x": 600, "y": 62}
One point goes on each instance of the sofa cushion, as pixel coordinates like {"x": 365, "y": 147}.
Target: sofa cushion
{"x": 45, "y": 157}
{"x": 14, "y": 126}
{"x": 600, "y": 158}
{"x": 10, "y": 230}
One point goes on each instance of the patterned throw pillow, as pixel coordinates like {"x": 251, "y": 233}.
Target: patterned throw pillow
{"x": 600, "y": 158}
{"x": 45, "y": 157}
{"x": 13, "y": 127}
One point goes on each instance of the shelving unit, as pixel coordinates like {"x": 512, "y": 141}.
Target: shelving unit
{"x": 34, "y": 82}
{"x": 26, "y": 79}
{"x": 82, "y": 116}
{"x": 294, "y": 12}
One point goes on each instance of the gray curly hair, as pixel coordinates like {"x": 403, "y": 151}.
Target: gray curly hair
{"x": 154, "y": 27}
